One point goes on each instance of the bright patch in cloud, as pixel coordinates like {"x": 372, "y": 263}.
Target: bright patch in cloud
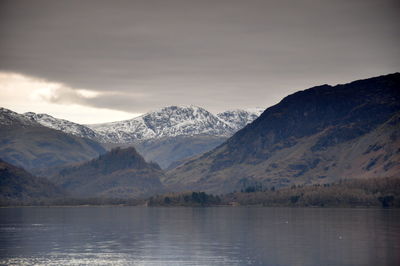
{"x": 88, "y": 93}
{"x": 22, "y": 93}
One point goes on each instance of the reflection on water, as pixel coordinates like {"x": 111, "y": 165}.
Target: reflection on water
{"x": 199, "y": 236}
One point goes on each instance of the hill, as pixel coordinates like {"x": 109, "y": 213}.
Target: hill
{"x": 26, "y": 143}
{"x": 319, "y": 135}
{"x": 116, "y": 174}
{"x": 17, "y": 185}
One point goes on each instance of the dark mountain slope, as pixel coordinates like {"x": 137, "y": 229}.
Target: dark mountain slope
{"x": 345, "y": 111}
{"x": 26, "y": 143}
{"x": 16, "y": 184}
{"x": 309, "y": 130}
{"x": 118, "y": 173}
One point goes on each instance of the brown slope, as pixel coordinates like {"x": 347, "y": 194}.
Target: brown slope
{"x": 317, "y": 135}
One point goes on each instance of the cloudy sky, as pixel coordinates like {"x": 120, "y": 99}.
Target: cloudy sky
{"x": 96, "y": 61}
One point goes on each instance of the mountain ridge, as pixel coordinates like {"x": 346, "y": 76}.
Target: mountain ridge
{"x": 307, "y": 127}
{"x": 170, "y": 121}
{"x": 62, "y": 125}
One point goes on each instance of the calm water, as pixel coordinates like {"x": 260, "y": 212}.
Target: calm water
{"x": 199, "y": 236}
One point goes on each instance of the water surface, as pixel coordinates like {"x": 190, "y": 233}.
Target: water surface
{"x": 199, "y": 236}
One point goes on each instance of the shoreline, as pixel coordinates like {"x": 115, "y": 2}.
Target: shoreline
{"x": 211, "y": 206}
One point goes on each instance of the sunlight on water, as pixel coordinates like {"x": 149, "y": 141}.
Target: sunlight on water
{"x": 113, "y": 259}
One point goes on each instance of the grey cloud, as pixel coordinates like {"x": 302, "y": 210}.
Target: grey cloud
{"x": 217, "y": 54}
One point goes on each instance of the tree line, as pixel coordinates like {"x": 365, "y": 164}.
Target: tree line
{"x": 373, "y": 192}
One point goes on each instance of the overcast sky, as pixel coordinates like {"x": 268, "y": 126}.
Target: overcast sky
{"x": 96, "y": 61}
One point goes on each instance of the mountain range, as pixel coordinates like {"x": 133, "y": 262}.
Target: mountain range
{"x": 165, "y": 136}
{"x": 317, "y": 136}
{"x": 171, "y": 121}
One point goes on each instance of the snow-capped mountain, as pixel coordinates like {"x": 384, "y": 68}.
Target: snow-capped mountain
{"x": 169, "y": 121}
{"x": 63, "y": 125}
{"x": 28, "y": 144}
{"x": 166, "y": 135}
{"x": 8, "y": 118}
{"x": 238, "y": 118}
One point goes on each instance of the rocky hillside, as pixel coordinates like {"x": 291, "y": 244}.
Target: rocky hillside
{"x": 239, "y": 118}
{"x": 9, "y": 118}
{"x": 26, "y": 143}
{"x": 314, "y": 136}
{"x": 118, "y": 173}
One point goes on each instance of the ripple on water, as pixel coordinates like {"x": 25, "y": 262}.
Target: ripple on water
{"x": 115, "y": 259}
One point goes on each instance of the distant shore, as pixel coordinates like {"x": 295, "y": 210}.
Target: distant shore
{"x": 356, "y": 193}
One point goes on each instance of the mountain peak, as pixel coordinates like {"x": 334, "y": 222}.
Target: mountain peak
{"x": 173, "y": 121}
{"x": 117, "y": 173}
{"x": 121, "y": 158}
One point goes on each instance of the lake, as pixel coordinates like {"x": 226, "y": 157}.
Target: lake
{"x": 199, "y": 236}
